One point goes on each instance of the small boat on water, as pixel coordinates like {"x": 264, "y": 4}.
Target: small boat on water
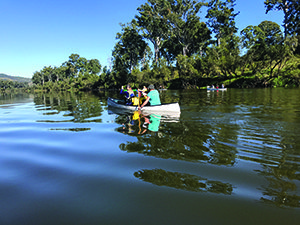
{"x": 163, "y": 109}
{"x": 216, "y": 89}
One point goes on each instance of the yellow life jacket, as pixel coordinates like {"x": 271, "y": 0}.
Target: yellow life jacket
{"x": 135, "y": 100}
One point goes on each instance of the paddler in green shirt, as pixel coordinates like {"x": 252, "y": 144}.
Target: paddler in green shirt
{"x": 152, "y": 97}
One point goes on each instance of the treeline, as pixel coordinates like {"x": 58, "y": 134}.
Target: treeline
{"x": 77, "y": 73}
{"x": 9, "y": 85}
{"x": 169, "y": 44}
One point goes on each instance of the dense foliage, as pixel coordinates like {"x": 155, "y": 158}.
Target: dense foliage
{"x": 8, "y": 84}
{"x": 189, "y": 44}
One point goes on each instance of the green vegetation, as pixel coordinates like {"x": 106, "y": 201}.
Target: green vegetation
{"x": 10, "y": 84}
{"x": 77, "y": 73}
{"x": 189, "y": 51}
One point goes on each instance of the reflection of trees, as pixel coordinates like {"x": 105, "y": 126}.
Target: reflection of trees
{"x": 78, "y": 108}
{"x": 183, "y": 181}
{"x": 256, "y": 126}
{"x": 264, "y": 139}
{"x": 73, "y": 129}
{"x": 9, "y": 98}
{"x": 281, "y": 190}
{"x": 180, "y": 141}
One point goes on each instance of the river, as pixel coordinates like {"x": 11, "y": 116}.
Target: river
{"x": 232, "y": 157}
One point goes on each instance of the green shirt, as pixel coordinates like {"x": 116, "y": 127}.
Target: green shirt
{"x": 154, "y": 97}
{"x": 154, "y": 122}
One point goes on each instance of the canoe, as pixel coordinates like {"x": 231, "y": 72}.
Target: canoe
{"x": 168, "y": 108}
{"x": 216, "y": 89}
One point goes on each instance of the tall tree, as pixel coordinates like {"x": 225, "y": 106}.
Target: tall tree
{"x": 71, "y": 66}
{"x": 221, "y": 18}
{"x": 267, "y": 45}
{"x": 186, "y": 28}
{"x": 94, "y": 66}
{"x": 294, "y": 17}
{"x": 152, "y": 19}
{"x": 291, "y": 10}
{"x": 131, "y": 47}
{"x": 279, "y": 5}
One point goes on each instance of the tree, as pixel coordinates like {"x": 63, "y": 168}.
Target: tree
{"x": 70, "y": 66}
{"x": 93, "y": 66}
{"x": 131, "y": 47}
{"x": 293, "y": 23}
{"x": 267, "y": 45}
{"x": 152, "y": 20}
{"x": 279, "y": 5}
{"x": 187, "y": 32}
{"x": 221, "y": 18}
{"x": 187, "y": 71}
{"x": 291, "y": 10}
{"x": 37, "y": 78}
{"x": 128, "y": 53}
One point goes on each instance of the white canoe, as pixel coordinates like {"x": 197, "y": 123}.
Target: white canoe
{"x": 216, "y": 89}
{"x": 168, "y": 108}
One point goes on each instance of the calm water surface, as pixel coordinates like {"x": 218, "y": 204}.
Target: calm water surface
{"x": 232, "y": 157}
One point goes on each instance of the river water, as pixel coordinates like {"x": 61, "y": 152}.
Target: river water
{"x": 232, "y": 157}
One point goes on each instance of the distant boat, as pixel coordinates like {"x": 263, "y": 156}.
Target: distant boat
{"x": 216, "y": 89}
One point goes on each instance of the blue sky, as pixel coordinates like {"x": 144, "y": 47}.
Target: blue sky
{"x": 38, "y": 33}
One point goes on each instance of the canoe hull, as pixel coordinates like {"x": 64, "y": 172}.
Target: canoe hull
{"x": 216, "y": 89}
{"x": 168, "y": 109}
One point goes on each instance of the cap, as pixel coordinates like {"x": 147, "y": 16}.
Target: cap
{"x": 151, "y": 86}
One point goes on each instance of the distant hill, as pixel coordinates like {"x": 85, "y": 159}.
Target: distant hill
{"x": 14, "y": 78}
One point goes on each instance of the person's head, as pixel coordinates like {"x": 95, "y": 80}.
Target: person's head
{"x": 128, "y": 87}
{"x": 151, "y": 87}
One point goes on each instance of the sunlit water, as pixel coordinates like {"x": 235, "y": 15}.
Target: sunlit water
{"x": 232, "y": 157}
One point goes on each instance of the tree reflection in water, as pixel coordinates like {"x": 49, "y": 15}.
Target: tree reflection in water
{"x": 281, "y": 191}
{"x": 196, "y": 142}
{"x": 183, "y": 181}
{"x": 171, "y": 139}
{"x": 76, "y": 108}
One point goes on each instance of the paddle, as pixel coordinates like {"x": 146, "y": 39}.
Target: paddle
{"x": 138, "y": 106}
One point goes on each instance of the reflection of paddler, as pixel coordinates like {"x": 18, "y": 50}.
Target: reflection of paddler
{"x": 131, "y": 120}
{"x": 154, "y": 122}
{"x": 136, "y": 115}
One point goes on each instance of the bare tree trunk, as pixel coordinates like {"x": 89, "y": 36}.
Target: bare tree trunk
{"x": 156, "y": 43}
{"x": 285, "y": 10}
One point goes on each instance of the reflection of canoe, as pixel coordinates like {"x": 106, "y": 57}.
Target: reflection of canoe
{"x": 171, "y": 110}
{"x": 216, "y": 89}
{"x": 165, "y": 116}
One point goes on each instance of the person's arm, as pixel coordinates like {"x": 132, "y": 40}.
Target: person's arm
{"x": 145, "y": 102}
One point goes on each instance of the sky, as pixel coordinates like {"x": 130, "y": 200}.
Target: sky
{"x": 39, "y": 33}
